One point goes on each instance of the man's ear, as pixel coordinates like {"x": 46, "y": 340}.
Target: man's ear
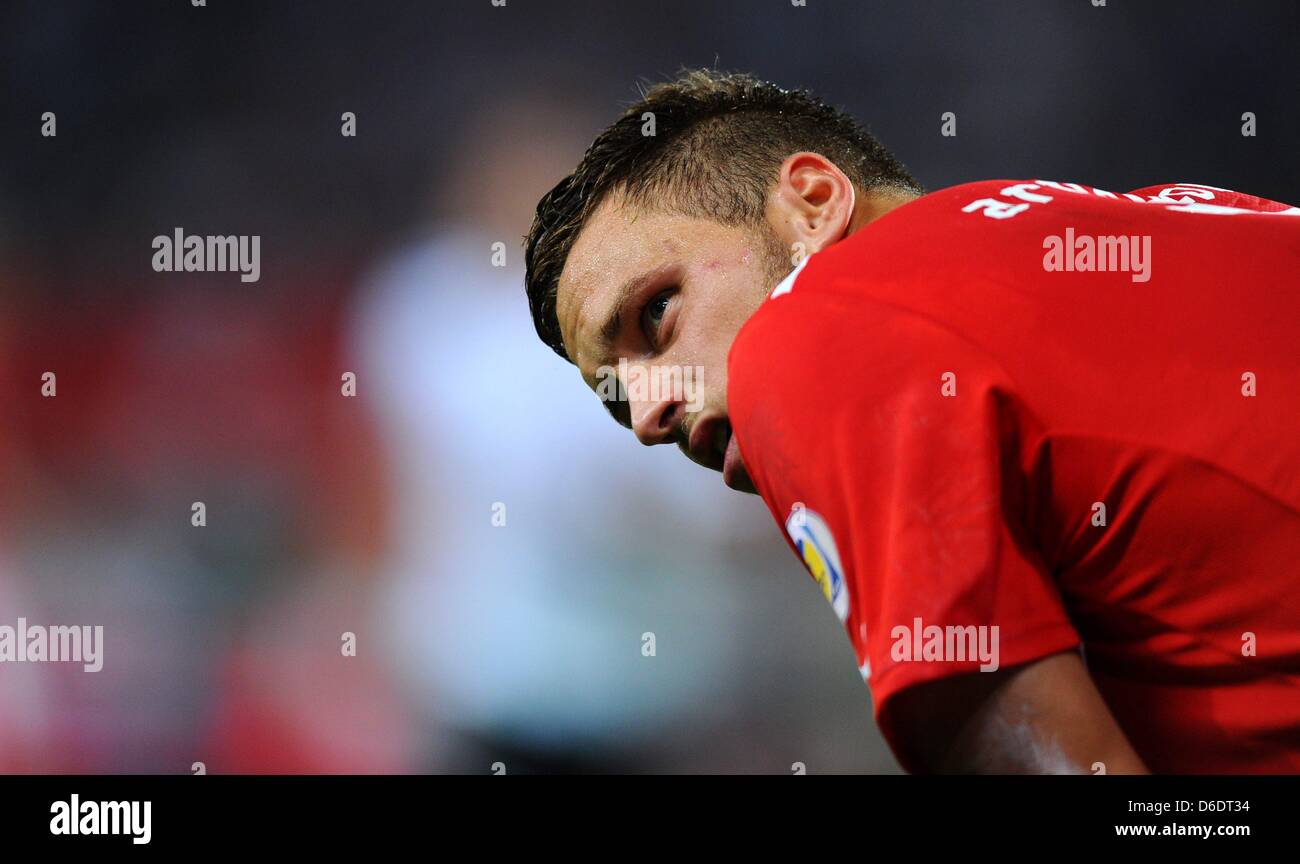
{"x": 813, "y": 202}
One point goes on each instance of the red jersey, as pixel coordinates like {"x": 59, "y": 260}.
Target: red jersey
{"x": 1014, "y": 418}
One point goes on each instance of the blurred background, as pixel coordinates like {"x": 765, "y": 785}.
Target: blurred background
{"x": 477, "y": 643}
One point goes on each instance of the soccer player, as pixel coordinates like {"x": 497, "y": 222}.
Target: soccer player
{"x": 1039, "y": 443}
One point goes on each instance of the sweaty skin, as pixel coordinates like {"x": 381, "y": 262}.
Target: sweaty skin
{"x": 706, "y": 279}
{"x": 682, "y": 287}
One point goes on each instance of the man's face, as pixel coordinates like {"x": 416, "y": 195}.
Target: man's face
{"x": 652, "y": 301}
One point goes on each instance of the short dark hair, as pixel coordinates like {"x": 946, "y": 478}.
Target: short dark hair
{"x": 719, "y": 142}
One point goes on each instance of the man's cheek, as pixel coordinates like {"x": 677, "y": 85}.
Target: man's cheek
{"x": 693, "y": 379}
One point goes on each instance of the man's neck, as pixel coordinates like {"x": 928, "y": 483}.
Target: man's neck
{"x": 872, "y": 206}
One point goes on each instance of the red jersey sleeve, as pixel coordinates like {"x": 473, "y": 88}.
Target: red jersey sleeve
{"x": 890, "y": 449}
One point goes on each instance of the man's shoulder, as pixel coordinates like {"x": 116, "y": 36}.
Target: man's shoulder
{"x": 987, "y": 232}
{"x": 973, "y": 223}
{"x": 913, "y": 279}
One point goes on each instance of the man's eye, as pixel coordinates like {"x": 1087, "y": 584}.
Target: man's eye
{"x": 653, "y": 315}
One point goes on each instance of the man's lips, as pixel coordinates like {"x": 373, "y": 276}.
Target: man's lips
{"x": 731, "y": 466}
{"x": 713, "y": 445}
{"x": 710, "y": 438}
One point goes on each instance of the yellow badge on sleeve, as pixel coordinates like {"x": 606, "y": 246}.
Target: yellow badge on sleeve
{"x": 812, "y": 537}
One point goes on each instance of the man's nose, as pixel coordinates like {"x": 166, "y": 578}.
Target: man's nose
{"x": 653, "y": 420}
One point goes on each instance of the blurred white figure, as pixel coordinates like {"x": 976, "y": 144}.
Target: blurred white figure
{"x": 535, "y": 630}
